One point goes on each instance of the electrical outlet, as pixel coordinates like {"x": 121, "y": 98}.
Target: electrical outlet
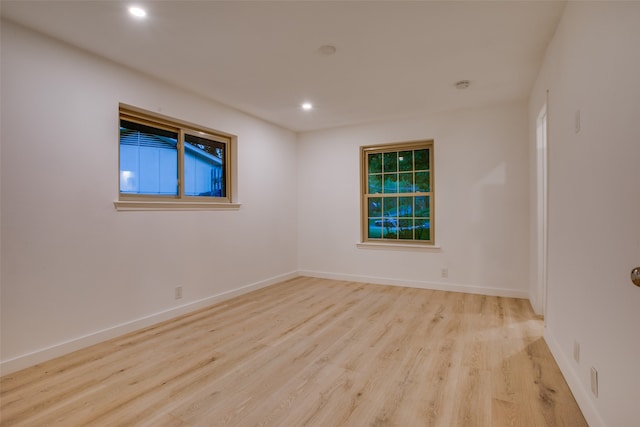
{"x": 576, "y": 351}
{"x": 444, "y": 273}
{"x": 594, "y": 381}
{"x": 178, "y": 292}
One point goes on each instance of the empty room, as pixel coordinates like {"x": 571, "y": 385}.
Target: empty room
{"x": 320, "y": 213}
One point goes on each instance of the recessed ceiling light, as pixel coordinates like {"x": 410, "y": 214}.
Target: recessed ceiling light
{"x": 307, "y": 106}
{"x": 462, "y": 84}
{"x": 137, "y": 11}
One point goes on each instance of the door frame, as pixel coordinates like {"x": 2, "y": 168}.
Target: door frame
{"x": 542, "y": 201}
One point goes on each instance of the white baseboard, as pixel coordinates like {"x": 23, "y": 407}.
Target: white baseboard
{"x": 580, "y": 393}
{"x": 39, "y": 356}
{"x": 436, "y": 286}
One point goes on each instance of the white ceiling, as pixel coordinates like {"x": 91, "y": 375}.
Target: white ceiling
{"x": 394, "y": 59}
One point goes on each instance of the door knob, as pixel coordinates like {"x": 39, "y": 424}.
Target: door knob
{"x": 635, "y": 276}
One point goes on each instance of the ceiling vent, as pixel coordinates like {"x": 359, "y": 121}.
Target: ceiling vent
{"x": 327, "y": 49}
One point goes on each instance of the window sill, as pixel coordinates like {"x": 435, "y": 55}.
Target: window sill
{"x": 398, "y": 246}
{"x": 137, "y": 205}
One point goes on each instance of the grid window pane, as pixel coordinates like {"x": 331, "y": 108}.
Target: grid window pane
{"x": 422, "y": 182}
{"x": 375, "y": 163}
{"x": 375, "y": 228}
{"x": 422, "y": 229}
{"x": 375, "y": 184}
{"x": 390, "y": 182}
{"x": 421, "y": 160}
{"x": 405, "y": 229}
{"x": 375, "y": 207}
{"x": 402, "y": 179}
{"x": 421, "y": 207}
{"x": 405, "y": 207}
{"x": 406, "y": 182}
{"x": 405, "y": 160}
{"x": 382, "y": 228}
{"x": 390, "y": 206}
{"x": 391, "y": 162}
{"x": 389, "y": 228}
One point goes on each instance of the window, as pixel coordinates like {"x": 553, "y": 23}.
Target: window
{"x": 168, "y": 162}
{"x": 397, "y": 193}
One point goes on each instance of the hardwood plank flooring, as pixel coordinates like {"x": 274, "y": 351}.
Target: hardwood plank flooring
{"x": 310, "y": 352}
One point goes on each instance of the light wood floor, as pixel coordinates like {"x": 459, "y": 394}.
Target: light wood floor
{"x": 310, "y": 352}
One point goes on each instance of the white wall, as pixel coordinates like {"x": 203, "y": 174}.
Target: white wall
{"x": 593, "y": 65}
{"x": 75, "y": 269}
{"x": 481, "y": 178}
